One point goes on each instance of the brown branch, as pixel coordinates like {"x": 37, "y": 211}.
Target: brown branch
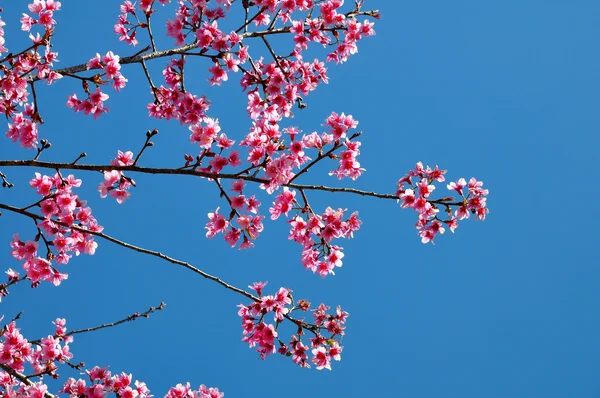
{"x": 150, "y": 32}
{"x": 249, "y": 21}
{"x": 152, "y": 86}
{"x": 130, "y": 318}
{"x": 152, "y": 170}
{"x": 135, "y": 248}
{"x": 285, "y": 75}
{"x": 4, "y": 289}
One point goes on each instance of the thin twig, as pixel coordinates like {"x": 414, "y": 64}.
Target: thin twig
{"x": 130, "y": 318}
{"x": 148, "y": 143}
{"x": 152, "y": 86}
{"x": 150, "y": 32}
{"x": 249, "y": 21}
{"x": 5, "y": 183}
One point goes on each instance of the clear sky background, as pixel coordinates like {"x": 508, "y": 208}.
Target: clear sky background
{"x": 503, "y": 91}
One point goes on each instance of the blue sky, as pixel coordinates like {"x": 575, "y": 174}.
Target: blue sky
{"x": 503, "y": 91}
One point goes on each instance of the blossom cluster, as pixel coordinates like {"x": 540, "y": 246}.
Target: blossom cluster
{"x": 267, "y": 149}
{"x": 475, "y": 200}
{"x": 269, "y": 153}
{"x": 282, "y": 81}
{"x": 248, "y": 223}
{"x": 45, "y": 12}
{"x": 43, "y": 357}
{"x": 35, "y": 62}
{"x": 23, "y": 127}
{"x": 2, "y": 39}
{"x": 172, "y": 102}
{"x": 23, "y": 116}
{"x": 115, "y": 183}
{"x": 205, "y": 134}
{"x": 315, "y": 232}
{"x": 102, "y": 383}
{"x": 16, "y": 352}
{"x": 265, "y": 336}
{"x": 94, "y": 104}
{"x": 61, "y": 209}
{"x": 127, "y": 34}
{"x": 416, "y": 195}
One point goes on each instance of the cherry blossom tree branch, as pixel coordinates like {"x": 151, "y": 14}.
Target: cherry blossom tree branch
{"x": 132, "y": 317}
{"x": 150, "y": 35}
{"x": 135, "y": 248}
{"x": 227, "y": 176}
{"x": 162, "y": 256}
{"x": 14, "y": 319}
{"x": 4, "y": 286}
{"x": 178, "y": 171}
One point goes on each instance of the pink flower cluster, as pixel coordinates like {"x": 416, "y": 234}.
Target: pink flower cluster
{"x": 43, "y": 357}
{"x": 340, "y": 125}
{"x": 59, "y": 204}
{"x": 35, "y": 61}
{"x": 173, "y": 102}
{"x": 23, "y": 128}
{"x": 475, "y": 200}
{"x": 283, "y": 83}
{"x": 16, "y": 351}
{"x": 94, "y": 104}
{"x": 127, "y": 34}
{"x": 283, "y": 80}
{"x": 352, "y": 34}
{"x": 205, "y": 134}
{"x": 349, "y": 166}
{"x": 195, "y": 18}
{"x": 2, "y": 39}
{"x": 315, "y": 232}
{"x": 265, "y": 336}
{"x": 45, "y": 11}
{"x": 115, "y": 183}
{"x": 126, "y": 30}
{"x": 23, "y": 117}
{"x": 416, "y": 195}
{"x": 110, "y": 64}
{"x": 268, "y": 151}
{"x": 185, "y": 391}
{"x": 102, "y": 383}
{"x": 249, "y": 225}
